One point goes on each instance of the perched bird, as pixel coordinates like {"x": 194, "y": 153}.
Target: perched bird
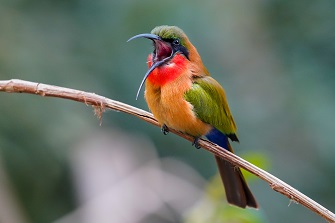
{"x": 181, "y": 95}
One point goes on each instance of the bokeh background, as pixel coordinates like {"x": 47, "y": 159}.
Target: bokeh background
{"x": 275, "y": 58}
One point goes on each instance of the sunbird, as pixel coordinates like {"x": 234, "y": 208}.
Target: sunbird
{"x": 183, "y": 96}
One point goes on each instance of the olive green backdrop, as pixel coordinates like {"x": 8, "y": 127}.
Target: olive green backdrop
{"x": 274, "y": 58}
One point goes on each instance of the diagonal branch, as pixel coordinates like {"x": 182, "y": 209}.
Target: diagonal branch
{"x": 100, "y": 103}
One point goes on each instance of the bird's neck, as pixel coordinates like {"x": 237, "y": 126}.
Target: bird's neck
{"x": 168, "y": 72}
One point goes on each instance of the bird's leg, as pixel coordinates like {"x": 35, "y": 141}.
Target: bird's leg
{"x": 196, "y": 143}
{"x": 165, "y": 129}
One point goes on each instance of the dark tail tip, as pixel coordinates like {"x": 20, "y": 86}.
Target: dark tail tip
{"x": 237, "y": 190}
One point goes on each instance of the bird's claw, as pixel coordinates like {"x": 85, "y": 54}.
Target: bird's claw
{"x": 196, "y": 143}
{"x": 165, "y": 129}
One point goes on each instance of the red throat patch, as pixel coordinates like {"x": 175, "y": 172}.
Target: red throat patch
{"x": 169, "y": 71}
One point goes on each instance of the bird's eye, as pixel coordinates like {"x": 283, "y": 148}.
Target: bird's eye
{"x": 176, "y": 42}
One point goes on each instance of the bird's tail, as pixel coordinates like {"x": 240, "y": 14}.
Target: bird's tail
{"x": 237, "y": 190}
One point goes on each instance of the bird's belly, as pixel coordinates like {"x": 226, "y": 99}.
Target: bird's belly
{"x": 171, "y": 109}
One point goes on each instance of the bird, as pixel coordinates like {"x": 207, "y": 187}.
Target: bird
{"x": 183, "y": 96}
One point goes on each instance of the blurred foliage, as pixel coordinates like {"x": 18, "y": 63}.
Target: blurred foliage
{"x": 258, "y": 159}
{"x": 213, "y": 208}
{"x": 274, "y": 58}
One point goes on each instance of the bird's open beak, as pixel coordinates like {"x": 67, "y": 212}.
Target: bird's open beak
{"x": 163, "y": 52}
{"x": 145, "y": 35}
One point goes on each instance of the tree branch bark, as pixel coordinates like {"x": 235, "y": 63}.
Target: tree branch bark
{"x": 100, "y": 103}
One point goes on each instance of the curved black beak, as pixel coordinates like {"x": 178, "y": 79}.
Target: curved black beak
{"x": 158, "y": 42}
{"x": 145, "y": 35}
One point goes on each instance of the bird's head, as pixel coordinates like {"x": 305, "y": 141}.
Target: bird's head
{"x": 168, "y": 41}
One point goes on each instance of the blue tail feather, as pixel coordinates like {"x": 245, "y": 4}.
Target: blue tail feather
{"x": 237, "y": 190}
{"x": 218, "y": 137}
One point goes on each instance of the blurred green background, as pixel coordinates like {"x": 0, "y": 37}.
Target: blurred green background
{"x": 275, "y": 58}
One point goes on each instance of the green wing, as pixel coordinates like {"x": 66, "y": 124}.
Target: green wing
{"x": 210, "y": 105}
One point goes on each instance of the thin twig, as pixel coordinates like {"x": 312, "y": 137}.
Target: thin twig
{"x": 101, "y": 103}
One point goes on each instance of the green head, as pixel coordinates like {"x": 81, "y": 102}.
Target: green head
{"x": 168, "y": 41}
{"x": 174, "y": 37}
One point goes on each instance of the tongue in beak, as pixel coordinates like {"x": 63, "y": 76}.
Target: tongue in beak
{"x": 163, "y": 52}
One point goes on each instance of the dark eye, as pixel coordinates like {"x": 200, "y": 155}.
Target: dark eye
{"x": 176, "y": 42}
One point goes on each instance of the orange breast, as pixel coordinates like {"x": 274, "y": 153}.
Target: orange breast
{"x": 165, "y": 88}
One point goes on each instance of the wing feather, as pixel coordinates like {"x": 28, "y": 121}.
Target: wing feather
{"x": 210, "y": 105}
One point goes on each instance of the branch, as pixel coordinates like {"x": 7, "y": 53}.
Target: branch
{"x": 100, "y": 103}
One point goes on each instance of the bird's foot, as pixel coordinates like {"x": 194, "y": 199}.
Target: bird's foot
{"x": 165, "y": 129}
{"x": 196, "y": 143}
